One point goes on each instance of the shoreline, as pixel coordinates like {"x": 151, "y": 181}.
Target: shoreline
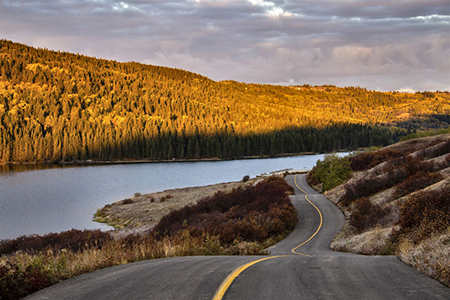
{"x": 90, "y": 162}
{"x": 35, "y": 166}
{"x": 143, "y": 211}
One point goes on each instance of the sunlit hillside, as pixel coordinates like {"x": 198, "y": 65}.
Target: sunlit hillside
{"x": 57, "y": 106}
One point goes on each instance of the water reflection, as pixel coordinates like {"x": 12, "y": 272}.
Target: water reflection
{"x": 27, "y": 167}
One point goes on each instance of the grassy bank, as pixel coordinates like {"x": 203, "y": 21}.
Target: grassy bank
{"x": 397, "y": 202}
{"x": 143, "y": 212}
{"x": 244, "y": 221}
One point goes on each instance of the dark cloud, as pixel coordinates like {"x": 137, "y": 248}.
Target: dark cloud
{"x": 379, "y": 44}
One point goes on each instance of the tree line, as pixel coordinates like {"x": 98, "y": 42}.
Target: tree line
{"x": 57, "y": 106}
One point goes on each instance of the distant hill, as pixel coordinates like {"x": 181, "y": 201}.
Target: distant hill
{"x": 398, "y": 202}
{"x": 58, "y": 106}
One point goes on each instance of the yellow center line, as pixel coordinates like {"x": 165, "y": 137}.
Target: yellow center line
{"x": 320, "y": 214}
{"x": 232, "y": 276}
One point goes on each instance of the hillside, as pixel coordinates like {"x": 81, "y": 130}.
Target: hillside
{"x": 57, "y": 106}
{"x": 397, "y": 201}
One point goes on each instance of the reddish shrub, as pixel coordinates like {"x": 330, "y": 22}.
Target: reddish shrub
{"x": 246, "y": 213}
{"x": 416, "y": 182}
{"x": 366, "y": 215}
{"x": 405, "y": 166}
{"x": 311, "y": 179}
{"x": 440, "y": 149}
{"x": 127, "y": 201}
{"x": 368, "y": 160}
{"x": 395, "y": 171}
{"x": 424, "y": 214}
{"x": 74, "y": 240}
{"x": 363, "y": 187}
{"x": 165, "y": 198}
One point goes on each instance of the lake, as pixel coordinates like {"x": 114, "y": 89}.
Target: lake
{"x": 54, "y": 199}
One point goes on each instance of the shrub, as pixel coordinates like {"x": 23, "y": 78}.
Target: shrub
{"x": 438, "y": 150}
{"x": 251, "y": 213}
{"x": 424, "y": 214}
{"x": 363, "y": 187}
{"x": 311, "y": 179}
{"x": 416, "y": 182}
{"x": 73, "y": 240}
{"x": 166, "y": 197}
{"x": 16, "y": 284}
{"x": 332, "y": 171}
{"x": 366, "y": 215}
{"x": 368, "y": 160}
{"x": 395, "y": 171}
{"x": 246, "y": 178}
{"x": 127, "y": 201}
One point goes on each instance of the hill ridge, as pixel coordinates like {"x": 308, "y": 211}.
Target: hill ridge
{"x": 58, "y": 106}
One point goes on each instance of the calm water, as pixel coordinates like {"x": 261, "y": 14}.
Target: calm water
{"x": 58, "y": 199}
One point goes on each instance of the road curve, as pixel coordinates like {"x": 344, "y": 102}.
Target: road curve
{"x": 311, "y": 271}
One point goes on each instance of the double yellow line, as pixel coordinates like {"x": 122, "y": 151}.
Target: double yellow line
{"x": 230, "y": 278}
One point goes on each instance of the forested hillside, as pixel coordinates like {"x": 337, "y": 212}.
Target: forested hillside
{"x": 57, "y": 106}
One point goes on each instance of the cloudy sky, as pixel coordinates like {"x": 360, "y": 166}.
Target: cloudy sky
{"x": 379, "y": 44}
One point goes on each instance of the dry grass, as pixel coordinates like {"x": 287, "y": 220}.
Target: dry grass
{"x": 373, "y": 242}
{"x": 23, "y": 273}
{"x": 417, "y": 225}
{"x": 143, "y": 212}
{"x": 431, "y": 256}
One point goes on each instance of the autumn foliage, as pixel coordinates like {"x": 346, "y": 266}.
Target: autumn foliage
{"x": 73, "y": 240}
{"x": 407, "y": 173}
{"x": 424, "y": 214}
{"x": 367, "y": 160}
{"x": 366, "y": 215}
{"x": 415, "y": 182}
{"x": 251, "y": 213}
{"x": 61, "y": 107}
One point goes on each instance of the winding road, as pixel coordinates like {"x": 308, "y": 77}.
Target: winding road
{"x": 300, "y": 267}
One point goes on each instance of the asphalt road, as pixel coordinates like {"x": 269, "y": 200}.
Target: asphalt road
{"x": 300, "y": 267}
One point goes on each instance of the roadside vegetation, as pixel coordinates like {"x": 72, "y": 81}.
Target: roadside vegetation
{"x": 244, "y": 221}
{"x": 250, "y": 213}
{"x": 397, "y": 201}
{"x": 330, "y": 172}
